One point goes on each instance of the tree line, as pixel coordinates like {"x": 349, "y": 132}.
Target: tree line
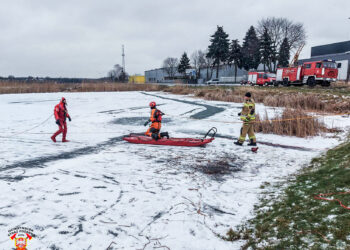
{"x": 268, "y": 44}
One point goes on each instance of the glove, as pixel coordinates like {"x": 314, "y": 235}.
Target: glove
{"x": 239, "y": 114}
{"x": 252, "y": 111}
{"x": 146, "y": 123}
{"x": 70, "y": 119}
{"x": 58, "y": 122}
{"x": 247, "y": 119}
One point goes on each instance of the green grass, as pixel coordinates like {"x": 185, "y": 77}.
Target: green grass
{"x": 296, "y": 220}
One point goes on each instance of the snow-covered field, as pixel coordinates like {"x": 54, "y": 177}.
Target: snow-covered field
{"x": 98, "y": 190}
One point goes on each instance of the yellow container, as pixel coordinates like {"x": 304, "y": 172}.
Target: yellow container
{"x": 137, "y": 79}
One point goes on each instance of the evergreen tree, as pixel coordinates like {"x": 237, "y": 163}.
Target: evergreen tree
{"x": 251, "y": 50}
{"x": 235, "y": 55}
{"x": 266, "y": 50}
{"x": 184, "y": 64}
{"x": 284, "y": 53}
{"x": 218, "y": 50}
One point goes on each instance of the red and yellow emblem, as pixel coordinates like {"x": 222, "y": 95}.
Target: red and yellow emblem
{"x": 21, "y": 240}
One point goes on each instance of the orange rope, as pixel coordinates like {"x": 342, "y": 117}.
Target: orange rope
{"x": 277, "y": 120}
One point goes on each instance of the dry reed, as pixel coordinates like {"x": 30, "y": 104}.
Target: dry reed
{"x": 292, "y": 122}
{"x": 308, "y": 101}
{"x": 46, "y": 87}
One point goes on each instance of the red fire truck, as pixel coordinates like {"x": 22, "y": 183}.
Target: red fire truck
{"x": 261, "y": 78}
{"x": 310, "y": 73}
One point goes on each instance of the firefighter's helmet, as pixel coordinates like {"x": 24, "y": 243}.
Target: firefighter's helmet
{"x": 152, "y": 104}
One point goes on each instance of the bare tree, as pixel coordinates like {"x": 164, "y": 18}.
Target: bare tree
{"x": 209, "y": 65}
{"x": 170, "y": 66}
{"x": 116, "y": 72}
{"x": 281, "y": 28}
{"x": 198, "y": 61}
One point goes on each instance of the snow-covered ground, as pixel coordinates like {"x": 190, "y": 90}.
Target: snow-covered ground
{"x": 98, "y": 190}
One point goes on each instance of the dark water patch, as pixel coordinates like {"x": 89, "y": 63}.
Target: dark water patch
{"x": 40, "y": 162}
{"x": 105, "y": 210}
{"x": 234, "y": 138}
{"x": 9, "y": 178}
{"x": 59, "y": 217}
{"x": 113, "y": 233}
{"x": 216, "y": 210}
{"x": 136, "y": 121}
{"x": 275, "y": 145}
{"x": 79, "y": 176}
{"x": 7, "y": 215}
{"x": 112, "y": 111}
{"x": 189, "y": 111}
{"x": 80, "y": 229}
{"x": 210, "y": 110}
{"x": 220, "y": 166}
{"x": 31, "y": 102}
{"x": 65, "y": 194}
{"x": 54, "y": 247}
{"x": 227, "y": 105}
{"x": 158, "y": 216}
{"x": 100, "y": 187}
{"x": 111, "y": 179}
{"x": 118, "y": 111}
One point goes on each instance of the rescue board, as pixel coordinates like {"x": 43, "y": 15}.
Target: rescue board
{"x": 182, "y": 142}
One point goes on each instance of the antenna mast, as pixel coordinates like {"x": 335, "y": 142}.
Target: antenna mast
{"x": 123, "y": 55}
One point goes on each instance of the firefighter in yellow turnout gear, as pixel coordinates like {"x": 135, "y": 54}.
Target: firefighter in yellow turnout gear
{"x": 248, "y": 117}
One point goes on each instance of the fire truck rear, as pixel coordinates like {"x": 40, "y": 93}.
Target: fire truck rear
{"x": 261, "y": 78}
{"x": 310, "y": 73}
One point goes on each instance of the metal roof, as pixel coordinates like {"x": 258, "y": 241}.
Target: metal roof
{"x": 328, "y": 49}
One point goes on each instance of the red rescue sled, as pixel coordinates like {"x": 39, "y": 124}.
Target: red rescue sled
{"x": 184, "y": 142}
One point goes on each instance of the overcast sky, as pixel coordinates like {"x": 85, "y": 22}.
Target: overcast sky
{"x": 83, "y": 38}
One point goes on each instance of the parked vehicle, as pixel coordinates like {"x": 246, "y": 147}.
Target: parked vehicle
{"x": 311, "y": 73}
{"x": 261, "y": 78}
{"x": 244, "y": 80}
{"x": 222, "y": 80}
{"x": 213, "y": 81}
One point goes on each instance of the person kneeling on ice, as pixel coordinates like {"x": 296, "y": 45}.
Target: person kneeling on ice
{"x": 248, "y": 117}
{"x": 61, "y": 114}
{"x": 156, "y": 119}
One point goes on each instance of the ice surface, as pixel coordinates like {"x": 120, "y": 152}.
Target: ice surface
{"x": 98, "y": 189}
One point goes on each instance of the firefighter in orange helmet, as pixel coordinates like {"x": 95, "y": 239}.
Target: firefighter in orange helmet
{"x": 156, "y": 123}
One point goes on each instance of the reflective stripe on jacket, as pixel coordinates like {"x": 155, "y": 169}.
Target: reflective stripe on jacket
{"x": 248, "y": 111}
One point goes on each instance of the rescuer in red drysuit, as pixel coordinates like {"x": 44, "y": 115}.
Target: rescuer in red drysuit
{"x": 61, "y": 114}
{"x": 156, "y": 119}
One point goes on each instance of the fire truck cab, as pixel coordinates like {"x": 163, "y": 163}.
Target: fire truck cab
{"x": 310, "y": 73}
{"x": 261, "y": 78}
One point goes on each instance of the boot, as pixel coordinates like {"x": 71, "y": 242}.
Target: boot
{"x": 53, "y": 138}
{"x": 164, "y": 134}
{"x": 155, "y": 136}
{"x": 238, "y": 143}
{"x": 252, "y": 143}
{"x": 64, "y": 140}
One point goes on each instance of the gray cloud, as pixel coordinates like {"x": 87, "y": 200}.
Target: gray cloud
{"x": 83, "y": 38}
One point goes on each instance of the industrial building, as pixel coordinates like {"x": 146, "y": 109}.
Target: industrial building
{"x": 160, "y": 75}
{"x": 137, "y": 79}
{"x": 339, "y": 52}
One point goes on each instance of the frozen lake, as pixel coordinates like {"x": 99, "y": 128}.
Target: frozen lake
{"x": 99, "y": 189}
